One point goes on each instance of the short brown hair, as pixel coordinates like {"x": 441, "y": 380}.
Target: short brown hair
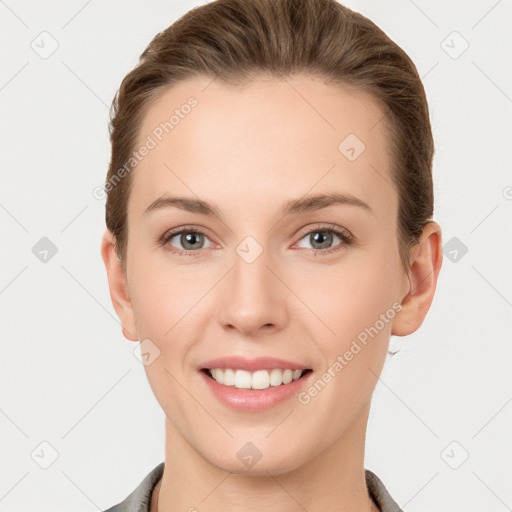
{"x": 235, "y": 40}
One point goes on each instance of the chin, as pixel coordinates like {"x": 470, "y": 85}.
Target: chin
{"x": 252, "y": 462}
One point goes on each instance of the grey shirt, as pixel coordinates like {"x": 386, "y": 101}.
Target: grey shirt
{"x": 140, "y": 499}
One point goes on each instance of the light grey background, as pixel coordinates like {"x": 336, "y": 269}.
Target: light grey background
{"x": 68, "y": 376}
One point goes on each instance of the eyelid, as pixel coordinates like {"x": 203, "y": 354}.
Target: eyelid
{"x": 326, "y": 227}
{"x": 189, "y": 228}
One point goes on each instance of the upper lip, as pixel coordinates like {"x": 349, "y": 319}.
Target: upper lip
{"x": 258, "y": 363}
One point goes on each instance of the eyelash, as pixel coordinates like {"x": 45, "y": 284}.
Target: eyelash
{"x": 344, "y": 235}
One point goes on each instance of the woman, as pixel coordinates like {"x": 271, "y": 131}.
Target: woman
{"x": 290, "y": 142}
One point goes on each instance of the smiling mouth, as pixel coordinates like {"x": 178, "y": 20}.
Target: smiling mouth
{"x": 258, "y": 380}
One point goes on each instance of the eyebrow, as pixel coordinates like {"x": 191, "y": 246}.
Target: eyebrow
{"x": 294, "y": 206}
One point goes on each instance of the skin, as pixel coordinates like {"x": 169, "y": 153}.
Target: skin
{"x": 249, "y": 150}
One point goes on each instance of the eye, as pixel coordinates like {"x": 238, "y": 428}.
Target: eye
{"x": 190, "y": 240}
{"x": 322, "y": 237}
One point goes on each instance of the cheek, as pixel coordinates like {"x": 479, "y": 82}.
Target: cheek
{"x": 357, "y": 305}
{"x": 162, "y": 296}
{"x": 347, "y": 299}
{"x": 350, "y": 303}
{"x": 164, "y": 303}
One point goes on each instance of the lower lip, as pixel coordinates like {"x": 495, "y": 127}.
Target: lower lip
{"x": 255, "y": 399}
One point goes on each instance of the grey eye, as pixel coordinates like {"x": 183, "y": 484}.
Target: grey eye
{"x": 190, "y": 240}
{"x": 320, "y": 239}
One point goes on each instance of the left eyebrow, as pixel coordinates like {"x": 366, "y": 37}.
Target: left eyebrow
{"x": 319, "y": 201}
{"x": 292, "y": 207}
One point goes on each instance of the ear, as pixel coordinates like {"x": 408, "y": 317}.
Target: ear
{"x": 118, "y": 286}
{"x": 425, "y": 263}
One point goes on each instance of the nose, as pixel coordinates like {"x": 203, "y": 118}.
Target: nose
{"x": 253, "y": 299}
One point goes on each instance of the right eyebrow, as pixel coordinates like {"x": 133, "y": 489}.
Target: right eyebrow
{"x": 183, "y": 203}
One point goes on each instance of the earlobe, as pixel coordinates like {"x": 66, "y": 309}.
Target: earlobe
{"x": 426, "y": 261}
{"x": 118, "y": 286}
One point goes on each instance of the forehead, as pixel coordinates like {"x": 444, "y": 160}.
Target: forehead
{"x": 268, "y": 139}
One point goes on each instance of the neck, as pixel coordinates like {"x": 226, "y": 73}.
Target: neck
{"x": 333, "y": 480}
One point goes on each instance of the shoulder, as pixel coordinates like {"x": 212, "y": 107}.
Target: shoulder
{"x": 140, "y": 499}
{"x": 380, "y": 494}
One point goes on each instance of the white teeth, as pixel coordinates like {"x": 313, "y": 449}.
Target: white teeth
{"x": 243, "y": 379}
{"x": 218, "y": 375}
{"x": 260, "y": 379}
{"x": 276, "y": 377}
{"x": 229, "y": 377}
{"x": 287, "y": 376}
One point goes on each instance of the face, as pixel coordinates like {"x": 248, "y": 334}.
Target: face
{"x": 252, "y": 266}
